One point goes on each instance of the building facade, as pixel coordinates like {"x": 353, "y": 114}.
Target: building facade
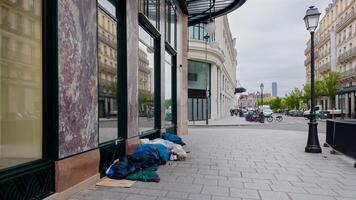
{"x": 335, "y": 51}
{"x": 247, "y": 101}
{"x": 274, "y": 89}
{"x": 82, "y": 81}
{"x": 211, "y": 70}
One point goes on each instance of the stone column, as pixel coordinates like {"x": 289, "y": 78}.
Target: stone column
{"x": 132, "y": 75}
{"x": 213, "y": 92}
{"x": 182, "y": 74}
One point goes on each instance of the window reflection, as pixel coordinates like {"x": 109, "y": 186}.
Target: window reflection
{"x": 168, "y": 100}
{"x": 170, "y": 23}
{"x": 150, "y": 8}
{"x": 20, "y": 82}
{"x": 108, "y": 112}
{"x": 197, "y": 32}
{"x": 146, "y": 93}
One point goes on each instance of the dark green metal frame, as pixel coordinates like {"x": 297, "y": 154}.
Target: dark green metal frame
{"x": 173, "y": 53}
{"x": 112, "y": 150}
{"x": 35, "y": 180}
{"x": 156, "y": 35}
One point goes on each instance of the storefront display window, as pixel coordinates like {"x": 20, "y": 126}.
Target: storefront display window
{"x": 170, "y": 23}
{"x": 20, "y": 83}
{"x": 150, "y": 8}
{"x": 146, "y": 85}
{"x": 107, "y": 52}
{"x": 168, "y": 100}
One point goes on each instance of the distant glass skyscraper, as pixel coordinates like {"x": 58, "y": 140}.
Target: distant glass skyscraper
{"x": 274, "y": 89}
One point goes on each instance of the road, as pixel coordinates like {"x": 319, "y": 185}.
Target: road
{"x": 288, "y": 123}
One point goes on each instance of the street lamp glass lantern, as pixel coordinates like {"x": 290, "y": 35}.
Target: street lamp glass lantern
{"x": 210, "y": 27}
{"x": 311, "y": 19}
{"x": 262, "y": 86}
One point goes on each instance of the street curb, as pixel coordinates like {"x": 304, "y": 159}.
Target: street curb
{"x": 223, "y": 125}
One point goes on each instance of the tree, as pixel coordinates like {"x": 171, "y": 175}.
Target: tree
{"x": 331, "y": 84}
{"x": 306, "y": 94}
{"x": 294, "y": 99}
{"x": 113, "y": 88}
{"x": 319, "y": 92}
{"x": 276, "y": 103}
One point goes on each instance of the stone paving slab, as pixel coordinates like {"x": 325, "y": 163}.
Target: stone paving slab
{"x": 227, "y": 164}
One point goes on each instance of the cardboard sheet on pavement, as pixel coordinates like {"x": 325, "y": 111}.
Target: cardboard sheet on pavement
{"x": 107, "y": 182}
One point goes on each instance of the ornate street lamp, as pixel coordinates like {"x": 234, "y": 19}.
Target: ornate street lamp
{"x": 262, "y": 87}
{"x": 210, "y": 28}
{"x": 311, "y": 20}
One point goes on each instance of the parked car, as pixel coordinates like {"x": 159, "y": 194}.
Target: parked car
{"x": 267, "y": 112}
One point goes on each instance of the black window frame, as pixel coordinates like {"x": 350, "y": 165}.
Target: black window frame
{"x": 147, "y": 26}
{"x": 170, "y": 8}
{"x": 113, "y": 149}
{"x": 145, "y": 10}
{"x": 120, "y": 135}
{"x": 169, "y": 49}
{"x": 16, "y": 180}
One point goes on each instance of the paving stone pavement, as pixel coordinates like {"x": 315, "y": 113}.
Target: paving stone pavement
{"x": 228, "y": 164}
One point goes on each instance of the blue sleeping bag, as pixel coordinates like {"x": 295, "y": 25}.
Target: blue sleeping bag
{"x": 158, "y": 149}
{"x": 173, "y": 138}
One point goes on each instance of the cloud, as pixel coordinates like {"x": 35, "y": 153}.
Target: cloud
{"x": 271, "y": 38}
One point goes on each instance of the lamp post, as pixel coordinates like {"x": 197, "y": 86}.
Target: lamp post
{"x": 262, "y": 87}
{"x": 209, "y": 29}
{"x": 311, "y": 20}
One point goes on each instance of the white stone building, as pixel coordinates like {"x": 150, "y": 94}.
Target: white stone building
{"x": 219, "y": 52}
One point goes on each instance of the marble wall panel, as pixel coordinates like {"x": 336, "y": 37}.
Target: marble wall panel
{"x": 78, "y": 99}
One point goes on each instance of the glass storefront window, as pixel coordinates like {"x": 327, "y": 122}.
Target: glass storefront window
{"x": 107, "y": 46}
{"x": 197, "y": 32}
{"x": 198, "y": 82}
{"x": 198, "y": 74}
{"x": 170, "y": 23}
{"x": 20, "y": 82}
{"x": 168, "y": 100}
{"x": 151, "y": 8}
{"x": 146, "y": 93}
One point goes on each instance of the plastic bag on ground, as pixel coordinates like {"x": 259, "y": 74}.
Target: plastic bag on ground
{"x": 179, "y": 152}
{"x": 166, "y": 143}
{"x": 121, "y": 169}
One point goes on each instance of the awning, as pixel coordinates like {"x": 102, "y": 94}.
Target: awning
{"x": 240, "y": 90}
{"x": 347, "y": 90}
{"x": 202, "y": 10}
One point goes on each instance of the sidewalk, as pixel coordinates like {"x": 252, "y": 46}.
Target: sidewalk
{"x": 226, "y": 121}
{"x": 235, "y": 164}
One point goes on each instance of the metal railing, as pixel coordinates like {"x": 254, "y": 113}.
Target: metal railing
{"x": 307, "y": 61}
{"x": 107, "y": 68}
{"x": 349, "y": 73}
{"x": 21, "y": 57}
{"x": 323, "y": 40}
{"x": 346, "y": 20}
{"x": 104, "y": 82}
{"x": 348, "y": 55}
{"x": 111, "y": 42}
{"x": 324, "y": 68}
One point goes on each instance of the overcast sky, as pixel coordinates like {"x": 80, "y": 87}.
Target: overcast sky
{"x": 271, "y": 39}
